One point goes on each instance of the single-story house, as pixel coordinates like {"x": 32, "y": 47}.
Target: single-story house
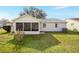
{"x": 31, "y": 25}
{"x": 73, "y": 24}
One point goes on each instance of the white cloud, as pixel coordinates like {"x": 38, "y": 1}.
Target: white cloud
{"x": 6, "y": 15}
{"x": 61, "y": 7}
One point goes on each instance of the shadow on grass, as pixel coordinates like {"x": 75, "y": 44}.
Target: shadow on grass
{"x": 70, "y": 33}
{"x": 39, "y": 42}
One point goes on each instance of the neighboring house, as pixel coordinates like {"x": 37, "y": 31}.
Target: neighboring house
{"x": 31, "y": 25}
{"x": 5, "y": 22}
{"x": 8, "y": 23}
{"x": 73, "y": 24}
{"x": 1, "y": 23}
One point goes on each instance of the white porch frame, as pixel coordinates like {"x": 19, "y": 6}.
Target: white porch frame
{"x": 27, "y": 32}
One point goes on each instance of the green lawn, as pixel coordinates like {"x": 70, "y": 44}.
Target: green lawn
{"x": 48, "y": 42}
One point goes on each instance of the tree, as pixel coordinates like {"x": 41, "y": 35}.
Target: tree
{"x": 22, "y": 13}
{"x": 7, "y": 28}
{"x": 35, "y": 12}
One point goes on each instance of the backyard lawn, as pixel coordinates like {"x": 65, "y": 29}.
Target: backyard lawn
{"x": 43, "y": 43}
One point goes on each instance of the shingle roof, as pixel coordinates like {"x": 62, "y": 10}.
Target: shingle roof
{"x": 24, "y": 16}
{"x": 74, "y": 18}
{"x": 43, "y": 20}
{"x": 53, "y": 20}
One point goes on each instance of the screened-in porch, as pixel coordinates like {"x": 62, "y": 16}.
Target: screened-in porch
{"x": 28, "y": 28}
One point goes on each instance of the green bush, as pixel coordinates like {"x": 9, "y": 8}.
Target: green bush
{"x": 18, "y": 40}
{"x": 7, "y": 28}
{"x": 75, "y": 30}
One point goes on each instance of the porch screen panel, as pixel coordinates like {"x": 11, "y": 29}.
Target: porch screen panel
{"x": 35, "y": 27}
{"x": 27, "y": 27}
{"x": 19, "y": 26}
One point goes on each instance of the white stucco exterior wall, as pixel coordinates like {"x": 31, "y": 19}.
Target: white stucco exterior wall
{"x": 50, "y": 26}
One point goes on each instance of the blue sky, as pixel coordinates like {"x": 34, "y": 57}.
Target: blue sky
{"x": 61, "y": 12}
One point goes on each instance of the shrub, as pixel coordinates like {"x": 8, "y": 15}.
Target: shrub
{"x": 75, "y": 30}
{"x": 18, "y": 40}
{"x": 7, "y": 28}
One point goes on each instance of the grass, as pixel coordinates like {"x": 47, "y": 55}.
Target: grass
{"x": 43, "y": 43}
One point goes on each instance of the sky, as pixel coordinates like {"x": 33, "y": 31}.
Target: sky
{"x": 61, "y": 12}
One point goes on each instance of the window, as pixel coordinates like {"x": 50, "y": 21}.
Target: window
{"x": 19, "y": 26}
{"x": 56, "y": 25}
{"x": 27, "y": 27}
{"x": 44, "y": 25}
{"x": 34, "y": 26}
